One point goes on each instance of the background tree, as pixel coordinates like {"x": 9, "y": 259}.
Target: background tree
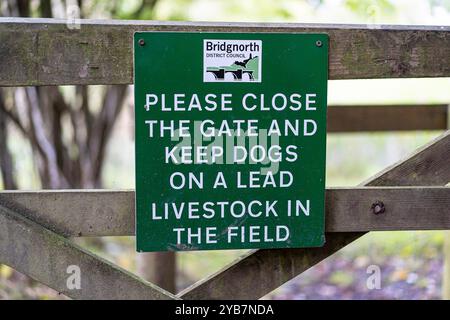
{"x": 68, "y": 133}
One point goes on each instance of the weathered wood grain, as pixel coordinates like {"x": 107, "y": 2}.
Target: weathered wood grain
{"x": 47, "y": 52}
{"x": 429, "y": 166}
{"x": 78, "y": 213}
{"x": 262, "y": 271}
{"x": 360, "y": 118}
{"x": 45, "y": 256}
{"x": 416, "y": 208}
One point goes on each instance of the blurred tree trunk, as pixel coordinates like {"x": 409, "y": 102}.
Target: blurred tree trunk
{"x": 6, "y": 162}
{"x": 159, "y": 268}
{"x": 69, "y": 138}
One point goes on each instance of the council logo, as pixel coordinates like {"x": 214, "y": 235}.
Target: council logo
{"x": 232, "y": 60}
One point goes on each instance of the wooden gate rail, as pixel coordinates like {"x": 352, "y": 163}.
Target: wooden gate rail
{"x": 47, "y": 52}
{"x": 99, "y": 213}
{"x": 45, "y": 256}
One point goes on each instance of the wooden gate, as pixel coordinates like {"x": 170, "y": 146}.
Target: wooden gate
{"x": 35, "y": 227}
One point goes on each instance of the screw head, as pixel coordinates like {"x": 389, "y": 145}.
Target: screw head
{"x": 378, "y": 207}
{"x": 318, "y": 43}
{"x": 141, "y": 42}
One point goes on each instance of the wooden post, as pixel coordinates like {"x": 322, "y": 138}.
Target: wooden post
{"x": 159, "y": 268}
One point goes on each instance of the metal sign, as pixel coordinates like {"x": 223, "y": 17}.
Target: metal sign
{"x": 230, "y": 140}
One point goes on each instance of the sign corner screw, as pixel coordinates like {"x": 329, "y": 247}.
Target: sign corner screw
{"x": 318, "y": 43}
{"x": 141, "y": 42}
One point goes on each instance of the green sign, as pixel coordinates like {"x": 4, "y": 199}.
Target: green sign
{"x": 230, "y": 140}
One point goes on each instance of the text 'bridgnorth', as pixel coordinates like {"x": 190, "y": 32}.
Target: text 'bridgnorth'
{"x": 230, "y": 47}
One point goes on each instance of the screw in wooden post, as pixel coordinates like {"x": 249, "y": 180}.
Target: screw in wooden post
{"x": 378, "y": 207}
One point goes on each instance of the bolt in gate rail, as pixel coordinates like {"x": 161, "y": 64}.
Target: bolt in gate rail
{"x": 36, "y": 226}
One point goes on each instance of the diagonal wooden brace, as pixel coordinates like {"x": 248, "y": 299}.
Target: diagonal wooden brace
{"x": 262, "y": 271}
{"x": 52, "y": 259}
